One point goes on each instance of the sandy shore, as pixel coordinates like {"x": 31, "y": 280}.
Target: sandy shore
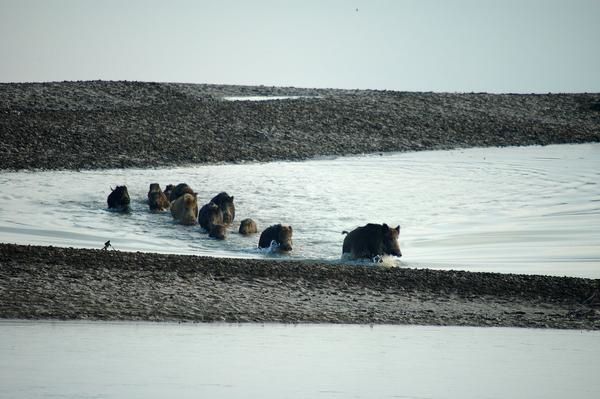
{"x": 59, "y": 283}
{"x": 77, "y": 125}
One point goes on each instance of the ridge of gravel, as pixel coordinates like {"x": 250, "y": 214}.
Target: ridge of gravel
{"x": 102, "y": 124}
{"x": 65, "y": 283}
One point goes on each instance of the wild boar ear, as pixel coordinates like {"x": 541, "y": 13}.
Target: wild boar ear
{"x": 291, "y": 228}
{"x": 232, "y": 197}
{"x": 385, "y": 226}
{"x": 398, "y": 229}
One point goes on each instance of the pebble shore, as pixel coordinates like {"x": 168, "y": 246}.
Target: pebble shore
{"x": 63, "y": 283}
{"x": 83, "y": 125}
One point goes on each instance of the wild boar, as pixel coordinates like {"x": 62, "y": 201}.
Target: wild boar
{"x": 157, "y": 200}
{"x": 225, "y": 202}
{"x": 179, "y": 190}
{"x": 119, "y": 199}
{"x": 248, "y": 226}
{"x": 185, "y": 209}
{"x": 372, "y": 240}
{"x": 210, "y": 214}
{"x": 168, "y": 190}
{"x": 281, "y": 235}
{"x": 217, "y": 231}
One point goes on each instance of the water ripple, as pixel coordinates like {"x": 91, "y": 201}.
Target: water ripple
{"x": 521, "y": 209}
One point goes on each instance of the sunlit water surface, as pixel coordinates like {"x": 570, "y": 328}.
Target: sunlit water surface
{"x": 163, "y": 360}
{"x": 523, "y": 210}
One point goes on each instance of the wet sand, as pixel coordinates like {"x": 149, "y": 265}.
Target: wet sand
{"x": 79, "y": 125}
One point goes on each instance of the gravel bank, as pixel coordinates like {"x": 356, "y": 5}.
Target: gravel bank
{"x": 79, "y": 125}
{"x": 60, "y": 283}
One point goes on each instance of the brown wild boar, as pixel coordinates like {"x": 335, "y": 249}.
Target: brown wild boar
{"x": 157, "y": 200}
{"x": 210, "y": 214}
{"x": 248, "y": 226}
{"x": 185, "y": 209}
{"x": 225, "y": 202}
{"x": 282, "y": 235}
{"x": 168, "y": 191}
{"x": 217, "y": 231}
{"x": 372, "y": 240}
{"x": 119, "y": 199}
{"x": 179, "y": 190}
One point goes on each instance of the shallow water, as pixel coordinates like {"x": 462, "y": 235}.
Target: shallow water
{"x": 146, "y": 360}
{"x": 264, "y": 98}
{"x": 519, "y": 209}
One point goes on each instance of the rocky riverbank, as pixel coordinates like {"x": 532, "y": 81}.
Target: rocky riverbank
{"x": 82, "y": 125}
{"x": 61, "y": 283}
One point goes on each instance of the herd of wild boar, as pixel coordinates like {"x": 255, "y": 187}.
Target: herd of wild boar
{"x": 369, "y": 241}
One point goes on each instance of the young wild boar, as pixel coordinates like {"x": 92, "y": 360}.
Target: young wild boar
{"x": 372, "y": 240}
{"x": 157, "y": 200}
{"x": 282, "y": 235}
{"x": 118, "y": 199}
{"x": 248, "y": 226}
{"x": 168, "y": 191}
{"x": 210, "y": 214}
{"x": 185, "y": 209}
{"x": 217, "y": 231}
{"x": 225, "y": 202}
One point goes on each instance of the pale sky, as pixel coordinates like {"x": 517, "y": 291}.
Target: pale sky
{"x": 414, "y": 45}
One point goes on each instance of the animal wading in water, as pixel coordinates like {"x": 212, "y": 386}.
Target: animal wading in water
{"x": 157, "y": 200}
{"x": 282, "y": 235}
{"x": 372, "y": 240}
{"x": 209, "y": 215}
{"x": 119, "y": 199}
{"x": 248, "y": 226}
{"x": 217, "y": 231}
{"x": 225, "y": 203}
{"x": 168, "y": 191}
{"x": 185, "y": 209}
{"x": 179, "y": 190}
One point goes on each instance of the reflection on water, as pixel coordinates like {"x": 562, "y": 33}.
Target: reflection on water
{"x": 146, "y": 360}
{"x": 523, "y": 210}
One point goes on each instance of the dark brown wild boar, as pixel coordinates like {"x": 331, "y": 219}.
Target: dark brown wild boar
{"x": 225, "y": 202}
{"x": 372, "y": 240}
{"x": 281, "y": 235}
{"x": 157, "y": 200}
{"x": 179, "y": 190}
{"x": 217, "y": 231}
{"x": 119, "y": 199}
{"x": 210, "y": 214}
{"x": 168, "y": 191}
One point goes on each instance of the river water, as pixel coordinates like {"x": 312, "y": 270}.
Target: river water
{"x": 164, "y": 360}
{"x": 529, "y": 210}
